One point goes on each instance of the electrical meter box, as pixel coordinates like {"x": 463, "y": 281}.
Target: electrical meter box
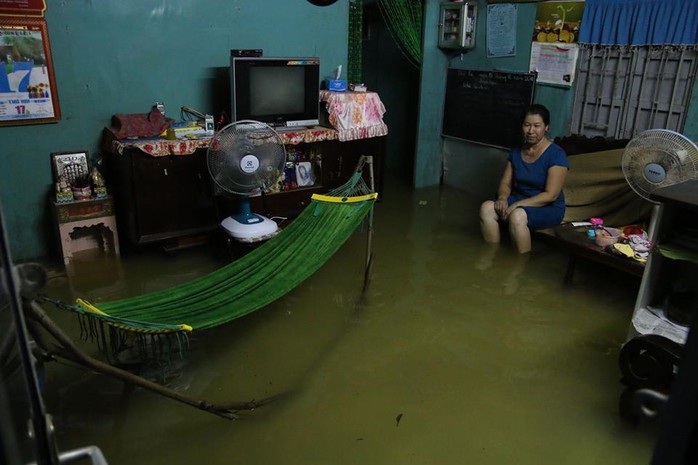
{"x": 457, "y": 25}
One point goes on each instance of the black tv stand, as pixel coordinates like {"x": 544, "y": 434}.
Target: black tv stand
{"x": 167, "y": 197}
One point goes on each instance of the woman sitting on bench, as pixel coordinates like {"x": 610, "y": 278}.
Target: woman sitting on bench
{"x": 530, "y": 194}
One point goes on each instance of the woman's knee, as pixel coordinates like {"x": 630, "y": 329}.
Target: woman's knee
{"x": 518, "y": 218}
{"x": 487, "y": 210}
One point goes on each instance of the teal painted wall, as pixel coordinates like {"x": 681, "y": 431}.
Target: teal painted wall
{"x": 690, "y": 128}
{"x": 121, "y": 56}
{"x": 433, "y": 151}
{"x": 428, "y": 154}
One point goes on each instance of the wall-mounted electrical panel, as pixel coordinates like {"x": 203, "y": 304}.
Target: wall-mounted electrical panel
{"x": 457, "y": 25}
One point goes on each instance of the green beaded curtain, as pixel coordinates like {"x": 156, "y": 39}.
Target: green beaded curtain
{"x": 356, "y": 24}
{"x": 404, "y": 20}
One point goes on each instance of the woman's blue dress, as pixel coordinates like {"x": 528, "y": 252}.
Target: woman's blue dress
{"x": 529, "y": 179}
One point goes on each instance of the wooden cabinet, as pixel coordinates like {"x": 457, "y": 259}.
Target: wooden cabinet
{"x": 161, "y": 198}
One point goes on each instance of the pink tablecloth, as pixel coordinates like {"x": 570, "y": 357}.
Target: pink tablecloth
{"x": 355, "y": 115}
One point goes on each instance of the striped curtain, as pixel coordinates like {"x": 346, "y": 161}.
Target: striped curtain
{"x": 640, "y": 22}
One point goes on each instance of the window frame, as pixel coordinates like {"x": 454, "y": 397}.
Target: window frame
{"x": 621, "y": 91}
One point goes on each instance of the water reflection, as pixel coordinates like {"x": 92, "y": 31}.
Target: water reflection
{"x": 483, "y": 355}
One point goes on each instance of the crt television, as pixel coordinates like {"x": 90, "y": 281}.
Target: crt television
{"x": 282, "y": 92}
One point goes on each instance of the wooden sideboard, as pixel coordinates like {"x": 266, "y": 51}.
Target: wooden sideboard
{"x": 169, "y": 197}
{"x": 160, "y": 198}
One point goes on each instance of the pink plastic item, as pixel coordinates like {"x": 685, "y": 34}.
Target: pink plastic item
{"x": 607, "y": 236}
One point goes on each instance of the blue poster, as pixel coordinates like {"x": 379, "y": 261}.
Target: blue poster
{"x": 501, "y": 30}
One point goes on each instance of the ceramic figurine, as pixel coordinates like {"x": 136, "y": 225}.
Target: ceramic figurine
{"x": 63, "y": 191}
{"x": 98, "y": 184}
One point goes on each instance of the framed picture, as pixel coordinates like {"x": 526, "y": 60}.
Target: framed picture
{"x": 23, "y": 7}
{"x": 73, "y": 164}
{"x": 27, "y": 79}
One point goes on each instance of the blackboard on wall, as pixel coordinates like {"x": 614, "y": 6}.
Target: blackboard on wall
{"x": 487, "y": 106}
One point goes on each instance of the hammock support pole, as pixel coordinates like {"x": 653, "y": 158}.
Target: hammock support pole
{"x": 368, "y": 160}
{"x": 68, "y": 350}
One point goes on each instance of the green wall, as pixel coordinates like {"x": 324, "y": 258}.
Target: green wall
{"x": 121, "y": 56}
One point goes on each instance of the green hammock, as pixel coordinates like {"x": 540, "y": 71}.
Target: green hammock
{"x": 247, "y": 284}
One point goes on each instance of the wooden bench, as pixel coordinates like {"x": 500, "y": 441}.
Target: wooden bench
{"x": 595, "y": 187}
{"x": 575, "y": 241}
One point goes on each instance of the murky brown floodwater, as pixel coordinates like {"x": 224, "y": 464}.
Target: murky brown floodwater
{"x": 459, "y": 353}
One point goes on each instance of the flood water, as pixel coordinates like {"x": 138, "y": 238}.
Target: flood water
{"x": 457, "y": 353}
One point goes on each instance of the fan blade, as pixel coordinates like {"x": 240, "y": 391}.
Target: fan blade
{"x": 245, "y": 156}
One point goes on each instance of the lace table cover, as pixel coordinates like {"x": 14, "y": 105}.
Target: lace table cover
{"x": 355, "y": 115}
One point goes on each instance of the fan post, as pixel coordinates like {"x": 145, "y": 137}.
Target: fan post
{"x": 245, "y": 209}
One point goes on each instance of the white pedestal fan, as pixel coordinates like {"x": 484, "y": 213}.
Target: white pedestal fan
{"x": 243, "y": 158}
{"x": 658, "y": 158}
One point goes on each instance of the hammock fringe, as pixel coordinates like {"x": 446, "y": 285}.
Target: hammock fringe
{"x": 115, "y": 342}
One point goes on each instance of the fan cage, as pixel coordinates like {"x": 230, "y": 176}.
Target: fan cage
{"x": 658, "y": 158}
{"x": 246, "y": 156}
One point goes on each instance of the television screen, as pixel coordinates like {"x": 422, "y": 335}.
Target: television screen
{"x": 275, "y": 89}
{"x": 278, "y": 91}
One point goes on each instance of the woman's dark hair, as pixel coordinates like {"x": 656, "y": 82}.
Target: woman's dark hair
{"x": 540, "y": 110}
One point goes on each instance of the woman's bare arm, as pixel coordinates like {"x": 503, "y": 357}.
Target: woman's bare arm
{"x": 553, "y": 187}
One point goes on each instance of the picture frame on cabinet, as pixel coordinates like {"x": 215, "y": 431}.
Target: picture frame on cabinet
{"x": 73, "y": 164}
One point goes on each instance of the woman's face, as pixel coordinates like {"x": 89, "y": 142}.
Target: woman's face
{"x": 534, "y": 129}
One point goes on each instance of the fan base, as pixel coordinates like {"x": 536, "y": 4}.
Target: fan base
{"x": 250, "y": 228}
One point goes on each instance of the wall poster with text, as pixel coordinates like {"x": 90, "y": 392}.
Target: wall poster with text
{"x": 27, "y": 80}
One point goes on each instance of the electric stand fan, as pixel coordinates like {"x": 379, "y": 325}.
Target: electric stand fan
{"x": 654, "y": 159}
{"x": 658, "y": 158}
{"x": 246, "y": 157}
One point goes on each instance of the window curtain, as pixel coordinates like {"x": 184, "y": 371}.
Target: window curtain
{"x": 640, "y": 22}
{"x": 404, "y": 20}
